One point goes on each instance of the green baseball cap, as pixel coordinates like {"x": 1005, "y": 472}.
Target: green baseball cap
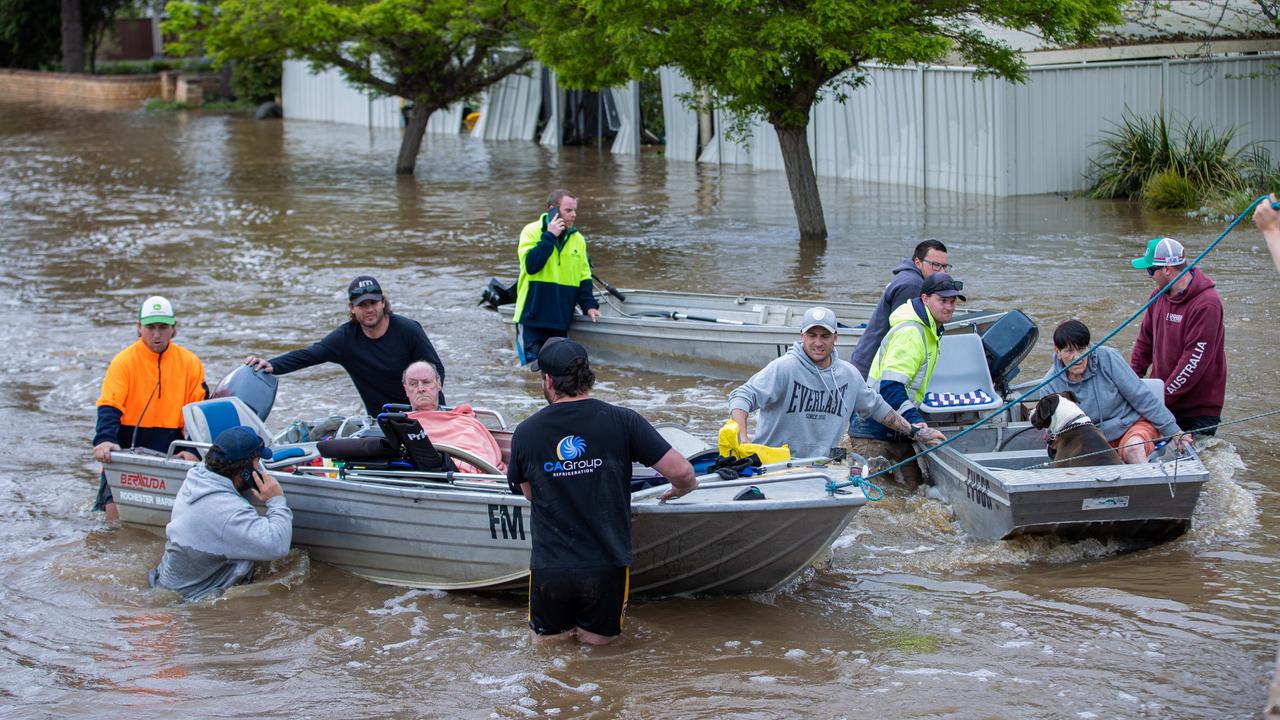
{"x": 1161, "y": 252}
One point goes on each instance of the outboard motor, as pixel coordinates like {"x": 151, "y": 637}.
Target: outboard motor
{"x": 495, "y": 294}
{"x": 255, "y": 388}
{"x": 1006, "y": 344}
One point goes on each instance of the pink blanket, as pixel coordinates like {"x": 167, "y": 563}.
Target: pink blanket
{"x": 460, "y": 428}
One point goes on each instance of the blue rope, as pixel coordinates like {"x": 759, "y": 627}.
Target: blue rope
{"x": 871, "y": 491}
{"x": 996, "y": 413}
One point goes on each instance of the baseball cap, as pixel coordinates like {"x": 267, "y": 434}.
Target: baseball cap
{"x": 155, "y": 309}
{"x": 363, "y": 288}
{"x": 239, "y": 443}
{"x": 557, "y": 354}
{"x": 944, "y": 285}
{"x": 818, "y": 316}
{"x": 1161, "y": 252}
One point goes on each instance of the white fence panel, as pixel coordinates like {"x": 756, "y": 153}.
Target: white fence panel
{"x": 510, "y": 108}
{"x": 679, "y": 122}
{"x": 627, "y": 100}
{"x": 446, "y": 122}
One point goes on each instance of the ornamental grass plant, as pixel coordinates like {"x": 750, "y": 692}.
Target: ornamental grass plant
{"x": 1143, "y": 158}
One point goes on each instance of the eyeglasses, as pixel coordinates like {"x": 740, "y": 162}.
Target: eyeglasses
{"x": 940, "y": 267}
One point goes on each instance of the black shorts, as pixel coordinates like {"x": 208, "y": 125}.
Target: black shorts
{"x": 594, "y": 599}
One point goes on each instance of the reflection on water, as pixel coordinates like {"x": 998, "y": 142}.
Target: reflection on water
{"x": 254, "y": 229}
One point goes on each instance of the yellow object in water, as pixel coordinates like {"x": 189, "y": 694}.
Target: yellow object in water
{"x": 730, "y": 447}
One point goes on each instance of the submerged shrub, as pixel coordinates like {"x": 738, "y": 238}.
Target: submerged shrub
{"x": 1141, "y": 158}
{"x": 1169, "y": 190}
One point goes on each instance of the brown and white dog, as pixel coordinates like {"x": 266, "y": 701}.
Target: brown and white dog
{"x": 1072, "y": 435}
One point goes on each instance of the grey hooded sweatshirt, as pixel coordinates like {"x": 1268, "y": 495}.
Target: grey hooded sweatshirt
{"x": 214, "y": 535}
{"x": 1112, "y": 395}
{"x": 806, "y": 407}
{"x": 906, "y": 284}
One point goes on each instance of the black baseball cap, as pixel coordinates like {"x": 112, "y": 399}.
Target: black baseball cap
{"x": 363, "y": 288}
{"x": 239, "y": 443}
{"x": 942, "y": 284}
{"x": 557, "y": 356}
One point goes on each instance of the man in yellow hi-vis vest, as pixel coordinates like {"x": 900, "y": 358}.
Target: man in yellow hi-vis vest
{"x": 555, "y": 275}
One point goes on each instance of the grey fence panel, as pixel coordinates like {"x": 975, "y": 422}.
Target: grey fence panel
{"x": 1061, "y": 114}
{"x": 959, "y": 143}
{"x": 1241, "y": 93}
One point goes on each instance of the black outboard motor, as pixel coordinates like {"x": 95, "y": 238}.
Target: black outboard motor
{"x": 495, "y": 294}
{"x": 255, "y": 388}
{"x": 1006, "y": 344}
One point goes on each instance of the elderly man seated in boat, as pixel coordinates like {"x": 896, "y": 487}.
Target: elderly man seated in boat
{"x": 1129, "y": 416}
{"x": 457, "y": 427}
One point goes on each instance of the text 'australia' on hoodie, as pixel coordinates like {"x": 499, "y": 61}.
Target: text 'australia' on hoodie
{"x": 1183, "y": 341}
{"x": 214, "y": 535}
{"x": 804, "y": 406}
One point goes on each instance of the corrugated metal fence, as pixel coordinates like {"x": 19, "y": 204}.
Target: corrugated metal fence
{"x": 933, "y": 127}
{"x": 942, "y": 128}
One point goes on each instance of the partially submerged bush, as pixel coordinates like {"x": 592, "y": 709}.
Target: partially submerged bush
{"x": 1169, "y": 190}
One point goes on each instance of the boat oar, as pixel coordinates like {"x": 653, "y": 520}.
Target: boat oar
{"x": 609, "y": 288}
{"x": 672, "y": 315}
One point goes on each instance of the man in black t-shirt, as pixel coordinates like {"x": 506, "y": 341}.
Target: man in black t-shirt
{"x": 374, "y": 347}
{"x": 572, "y": 460}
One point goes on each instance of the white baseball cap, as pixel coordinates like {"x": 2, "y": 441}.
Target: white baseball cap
{"x": 155, "y": 309}
{"x": 819, "y": 316}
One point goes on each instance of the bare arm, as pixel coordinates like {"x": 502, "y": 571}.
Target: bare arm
{"x": 678, "y": 472}
{"x": 740, "y": 416}
{"x": 1267, "y": 218}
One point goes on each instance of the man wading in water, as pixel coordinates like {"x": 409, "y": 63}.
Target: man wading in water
{"x": 572, "y": 460}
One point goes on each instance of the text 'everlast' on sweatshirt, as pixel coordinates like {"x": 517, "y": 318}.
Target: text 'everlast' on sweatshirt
{"x": 804, "y": 406}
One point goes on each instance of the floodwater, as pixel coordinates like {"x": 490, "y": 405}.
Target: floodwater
{"x": 253, "y": 230}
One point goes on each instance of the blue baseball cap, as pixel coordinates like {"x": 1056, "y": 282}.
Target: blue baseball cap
{"x": 239, "y": 443}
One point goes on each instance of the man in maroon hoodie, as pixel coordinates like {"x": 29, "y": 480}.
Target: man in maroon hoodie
{"x": 1182, "y": 340}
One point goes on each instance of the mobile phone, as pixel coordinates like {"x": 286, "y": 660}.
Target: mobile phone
{"x": 552, "y": 214}
{"x": 246, "y": 478}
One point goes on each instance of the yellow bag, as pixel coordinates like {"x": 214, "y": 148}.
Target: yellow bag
{"x": 730, "y": 447}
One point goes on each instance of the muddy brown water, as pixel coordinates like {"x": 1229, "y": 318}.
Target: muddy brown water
{"x": 253, "y": 230}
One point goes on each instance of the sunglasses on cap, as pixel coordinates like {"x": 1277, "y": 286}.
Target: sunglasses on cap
{"x": 946, "y": 285}
{"x": 366, "y": 290}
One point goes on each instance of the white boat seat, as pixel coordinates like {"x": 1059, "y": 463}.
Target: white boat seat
{"x": 204, "y": 420}
{"x": 1156, "y": 386}
{"x": 961, "y": 380}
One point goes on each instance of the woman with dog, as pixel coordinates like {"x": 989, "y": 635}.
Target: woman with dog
{"x": 1128, "y": 414}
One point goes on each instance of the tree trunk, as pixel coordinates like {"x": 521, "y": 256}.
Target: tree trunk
{"x": 802, "y": 181}
{"x": 411, "y": 142}
{"x": 72, "y": 37}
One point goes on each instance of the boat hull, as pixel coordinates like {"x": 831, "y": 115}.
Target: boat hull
{"x": 1003, "y": 493}
{"x": 440, "y": 536}
{"x": 736, "y": 335}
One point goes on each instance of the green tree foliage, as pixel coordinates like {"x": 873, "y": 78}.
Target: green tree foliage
{"x": 773, "y": 59}
{"x": 29, "y": 34}
{"x": 430, "y": 52}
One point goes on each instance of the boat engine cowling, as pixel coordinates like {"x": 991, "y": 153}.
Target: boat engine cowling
{"x": 255, "y": 388}
{"x": 1006, "y": 344}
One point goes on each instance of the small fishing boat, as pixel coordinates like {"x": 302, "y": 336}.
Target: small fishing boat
{"x": 998, "y": 479}
{"x": 719, "y": 335}
{"x": 454, "y": 531}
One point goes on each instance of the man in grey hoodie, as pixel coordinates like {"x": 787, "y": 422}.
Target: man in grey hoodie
{"x": 214, "y": 534}
{"x": 807, "y": 397}
{"x": 929, "y": 257}
{"x": 1128, "y": 415}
